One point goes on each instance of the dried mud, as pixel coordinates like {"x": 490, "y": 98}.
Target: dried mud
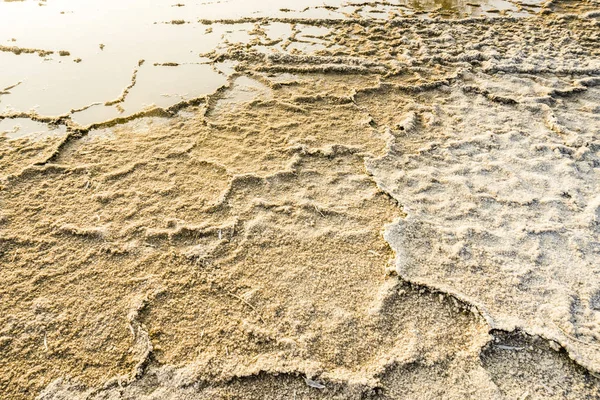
{"x": 409, "y": 211}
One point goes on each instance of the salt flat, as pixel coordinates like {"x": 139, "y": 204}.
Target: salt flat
{"x": 293, "y": 200}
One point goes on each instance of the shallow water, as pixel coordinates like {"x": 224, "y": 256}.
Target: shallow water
{"x": 102, "y": 44}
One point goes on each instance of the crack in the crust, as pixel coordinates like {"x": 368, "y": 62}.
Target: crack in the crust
{"x": 57, "y": 120}
{"x": 22, "y": 50}
{"x": 141, "y": 345}
{"x": 7, "y": 90}
{"x": 16, "y": 50}
{"x": 556, "y": 346}
{"x": 76, "y": 110}
{"x": 514, "y": 69}
{"x": 140, "y": 334}
{"x": 581, "y": 86}
{"x": 128, "y": 88}
{"x": 490, "y": 96}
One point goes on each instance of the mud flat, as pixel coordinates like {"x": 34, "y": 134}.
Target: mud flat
{"x": 327, "y": 203}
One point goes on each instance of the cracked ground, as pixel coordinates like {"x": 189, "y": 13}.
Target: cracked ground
{"x": 398, "y": 208}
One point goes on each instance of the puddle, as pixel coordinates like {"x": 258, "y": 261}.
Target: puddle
{"x": 18, "y": 128}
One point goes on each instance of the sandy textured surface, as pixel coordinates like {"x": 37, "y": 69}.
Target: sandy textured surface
{"x": 397, "y": 208}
